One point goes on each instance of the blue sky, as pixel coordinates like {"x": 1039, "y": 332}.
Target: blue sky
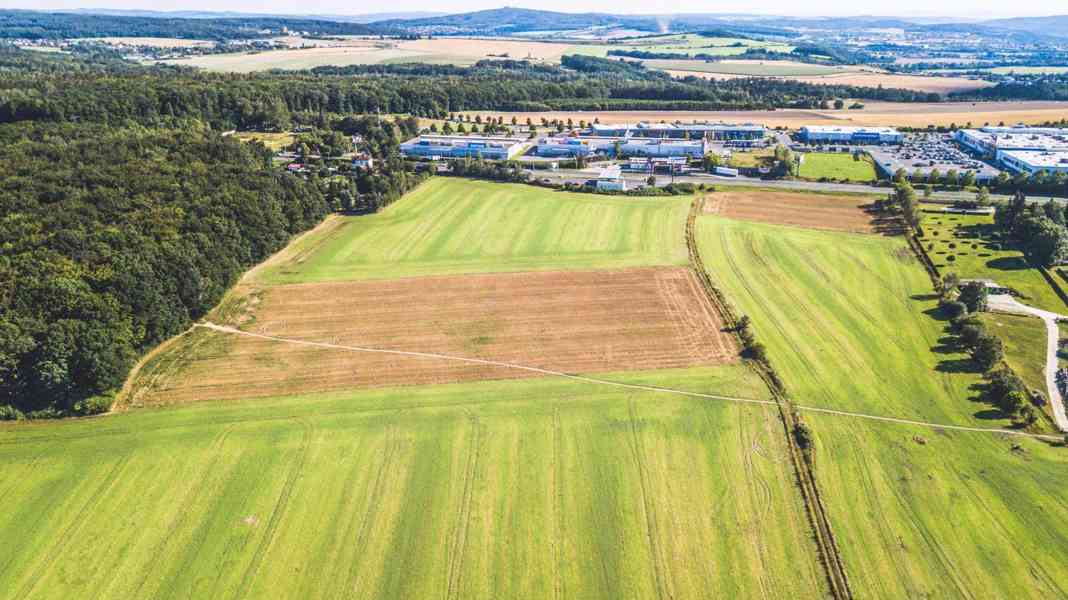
{"x": 961, "y": 8}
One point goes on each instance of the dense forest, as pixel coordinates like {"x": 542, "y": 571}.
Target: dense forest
{"x": 34, "y": 25}
{"x": 1023, "y": 87}
{"x": 115, "y": 239}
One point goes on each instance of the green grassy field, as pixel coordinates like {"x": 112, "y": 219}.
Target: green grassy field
{"x": 520, "y": 489}
{"x": 849, "y": 323}
{"x": 754, "y": 159}
{"x": 836, "y": 165}
{"x": 974, "y": 256}
{"x": 452, "y": 226}
{"x": 682, "y": 43}
{"x": 1025, "y": 345}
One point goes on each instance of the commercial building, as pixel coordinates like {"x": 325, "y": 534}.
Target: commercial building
{"x": 1033, "y": 161}
{"x": 662, "y": 148}
{"x": 463, "y": 146}
{"x": 992, "y": 141}
{"x": 572, "y": 147}
{"x": 840, "y": 134}
{"x": 673, "y": 164}
{"x": 620, "y": 147}
{"x": 691, "y": 131}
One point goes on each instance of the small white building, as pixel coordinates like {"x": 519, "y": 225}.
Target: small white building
{"x": 363, "y": 161}
{"x": 611, "y": 179}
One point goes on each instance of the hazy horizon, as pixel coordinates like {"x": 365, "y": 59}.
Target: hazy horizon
{"x": 985, "y": 9}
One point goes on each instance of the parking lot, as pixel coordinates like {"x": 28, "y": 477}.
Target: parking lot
{"x": 925, "y": 152}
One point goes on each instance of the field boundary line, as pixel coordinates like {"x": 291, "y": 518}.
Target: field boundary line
{"x": 633, "y": 386}
{"x": 828, "y": 554}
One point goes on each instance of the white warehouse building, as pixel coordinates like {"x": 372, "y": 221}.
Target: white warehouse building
{"x": 463, "y": 146}
{"x": 995, "y": 140}
{"x": 1034, "y": 161}
{"x": 843, "y": 134}
{"x": 563, "y": 146}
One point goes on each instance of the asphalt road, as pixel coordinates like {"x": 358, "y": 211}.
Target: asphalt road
{"x": 634, "y": 179}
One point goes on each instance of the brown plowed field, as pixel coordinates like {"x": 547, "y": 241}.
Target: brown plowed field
{"x": 815, "y": 211}
{"x": 575, "y": 322}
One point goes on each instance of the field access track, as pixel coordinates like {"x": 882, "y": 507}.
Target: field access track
{"x": 575, "y": 322}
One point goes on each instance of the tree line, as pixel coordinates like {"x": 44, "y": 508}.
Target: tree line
{"x": 154, "y": 96}
{"x": 36, "y": 25}
{"x": 115, "y": 240}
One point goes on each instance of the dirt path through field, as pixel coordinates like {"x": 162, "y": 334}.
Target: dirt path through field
{"x": 619, "y": 384}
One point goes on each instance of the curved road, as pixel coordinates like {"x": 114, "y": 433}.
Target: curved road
{"x": 634, "y": 179}
{"x": 1007, "y": 304}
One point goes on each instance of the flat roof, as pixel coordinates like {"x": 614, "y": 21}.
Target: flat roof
{"x": 466, "y": 138}
{"x": 1009, "y": 138}
{"x": 848, "y": 129}
{"x": 681, "y": 126}
{"x": 1039, "y": 159}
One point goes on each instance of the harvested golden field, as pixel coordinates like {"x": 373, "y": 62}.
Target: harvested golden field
{"x": 574, "y": 322}
{"x": 814, "y": 211}
{"x": 456, "y": 51}
{"x": 901, "y": 114}
{"x": 920, "y": 83}
{"x": 153, "y": 41}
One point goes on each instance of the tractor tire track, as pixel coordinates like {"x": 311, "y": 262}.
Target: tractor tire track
{"x": 280, "y": 506}
{"x": 187, "y": 499}
{"x": 648, "y": 509}
{"x": 76, "y": 523}
{"x": 459, "y": 543}
{"x": 374, "y": 502}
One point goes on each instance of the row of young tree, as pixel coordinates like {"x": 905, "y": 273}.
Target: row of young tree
{"x": 115, "y": 239}
{"x": 962, "y": 302}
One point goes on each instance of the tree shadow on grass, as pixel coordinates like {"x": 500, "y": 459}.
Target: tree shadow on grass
{"x": 957, "y": 365}
{"x": 1009, "y": 263}
{"x": 990, "y": 414}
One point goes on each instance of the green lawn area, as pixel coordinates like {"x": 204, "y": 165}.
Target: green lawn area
{"x": 515, "y": 489}
{"x": 836, "y": 165}
{"x": 753, "y": 159}
{"x": 681, "y": 43}
{"x": 1025, "y": 345}
{"x": 274, "y": 141}
{"x": 975, "y": 254}
{"x": 454, "y": 226}
{"x": 849, "y": 323}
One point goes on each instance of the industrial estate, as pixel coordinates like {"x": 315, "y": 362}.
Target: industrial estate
{"x": 517, "y": 304}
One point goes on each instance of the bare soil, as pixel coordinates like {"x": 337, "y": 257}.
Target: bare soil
{"x": 575, "y": 322}
{"x": 814, "y": 211}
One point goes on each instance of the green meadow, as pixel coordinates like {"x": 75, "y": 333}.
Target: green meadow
{"x": 1025, "y": 345}
{"x": 517, "y": 489}
{"x": 850, "y": 324}
{"x": 836, "y": 165}
{"x": 455, "y": 226}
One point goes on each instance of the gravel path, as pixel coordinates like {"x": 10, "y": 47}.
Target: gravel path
{"x": 1007, "y": 304}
